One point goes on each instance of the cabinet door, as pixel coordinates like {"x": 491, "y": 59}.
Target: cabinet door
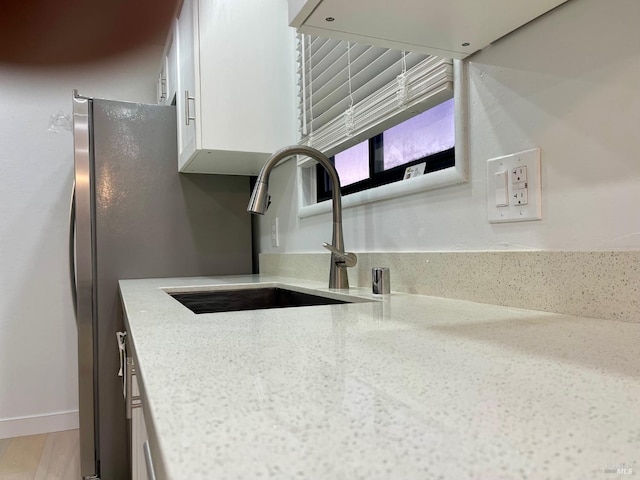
{"x": 138, "y": 437}
{"x": 172, "y": 66}
{"x": 186, "y": 100}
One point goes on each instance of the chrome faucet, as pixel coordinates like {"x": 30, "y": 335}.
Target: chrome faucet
{"x": 260, "y": 201}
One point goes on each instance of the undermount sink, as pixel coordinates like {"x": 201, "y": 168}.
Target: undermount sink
{"x": 260, "y": 298}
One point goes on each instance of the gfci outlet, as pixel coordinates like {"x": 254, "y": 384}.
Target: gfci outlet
{"x": 275, "y": 234}
{"x": 514, "y": 190}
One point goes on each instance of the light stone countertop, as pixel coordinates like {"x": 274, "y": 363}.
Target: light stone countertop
{"x": 409, "y": 387}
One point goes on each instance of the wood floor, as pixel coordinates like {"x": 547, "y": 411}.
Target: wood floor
{"x": 51, "y": 456}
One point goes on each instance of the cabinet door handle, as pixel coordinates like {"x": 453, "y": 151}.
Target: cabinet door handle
{"x": 187, "y": 114}
{"x": 147, "y": 458}
{"x": 129, "y": 387}
{"x": 163, "y": 88}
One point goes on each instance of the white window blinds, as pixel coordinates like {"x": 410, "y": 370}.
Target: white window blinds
{"x": 349, "y": 92}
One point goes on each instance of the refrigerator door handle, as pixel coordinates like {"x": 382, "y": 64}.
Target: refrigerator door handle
{"x": 72, "y": 251}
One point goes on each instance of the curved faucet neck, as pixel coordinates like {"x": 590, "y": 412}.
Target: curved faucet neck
{"x": 322, "y": 159}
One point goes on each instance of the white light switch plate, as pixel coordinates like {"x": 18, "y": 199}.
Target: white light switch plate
{"x": 513, "y": 212}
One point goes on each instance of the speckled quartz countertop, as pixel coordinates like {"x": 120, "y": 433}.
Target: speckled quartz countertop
{"x": 409, "y": 387}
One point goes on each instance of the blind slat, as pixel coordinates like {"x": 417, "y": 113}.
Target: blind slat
{"x": 339, "y": 68}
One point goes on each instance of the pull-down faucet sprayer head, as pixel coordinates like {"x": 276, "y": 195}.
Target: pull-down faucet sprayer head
{"x": 260, "y": 198}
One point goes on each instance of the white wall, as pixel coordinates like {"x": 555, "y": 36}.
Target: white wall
{"x": 38, "y": 366}
{"x": 568, "y": 83}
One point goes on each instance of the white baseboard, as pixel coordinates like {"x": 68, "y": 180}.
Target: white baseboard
{"x": 54, "y": 422}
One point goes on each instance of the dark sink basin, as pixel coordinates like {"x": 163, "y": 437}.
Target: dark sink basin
{"x": 249, "y": 299}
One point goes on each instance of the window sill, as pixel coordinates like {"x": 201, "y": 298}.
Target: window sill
{"x": 442, "y": 178}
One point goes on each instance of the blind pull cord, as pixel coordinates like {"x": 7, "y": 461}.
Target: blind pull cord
{"x": 310, "y": 138}
{"x": 349, "y": 115}
{"x": 402, "y": 92}
{"x": 304, "y": 86}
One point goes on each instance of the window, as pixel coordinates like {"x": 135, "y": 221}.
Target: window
{"x": 428, "y": 138}
{"x": 375, "y": 111}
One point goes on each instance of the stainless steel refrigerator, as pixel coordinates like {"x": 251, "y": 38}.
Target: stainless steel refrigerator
{"x": 134, "y": 216}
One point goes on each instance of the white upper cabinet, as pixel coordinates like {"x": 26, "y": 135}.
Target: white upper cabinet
{"x": 171, "y": 57}
{"x": 168, "y": 77}
{"x": 187, "y": 35}
{"x": 236, "y": 85}
{"x": 449, "y": 28}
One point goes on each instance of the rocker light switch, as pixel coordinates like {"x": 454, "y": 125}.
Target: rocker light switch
{"x": 502, "y": 194}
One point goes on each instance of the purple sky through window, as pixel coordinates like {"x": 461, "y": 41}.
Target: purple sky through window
{"x": 430, "y": 132}
{"x": 353, "y": 163}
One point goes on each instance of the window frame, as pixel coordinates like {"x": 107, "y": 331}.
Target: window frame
{"x": 380, "y": 176}
{"x": 307, "y": 182}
